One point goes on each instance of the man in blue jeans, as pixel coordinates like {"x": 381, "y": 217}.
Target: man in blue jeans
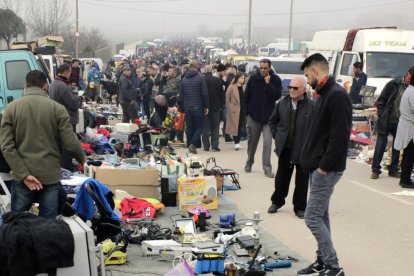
{"x": 324, "y": 155}
{"x": 388, "y": 109}
{"x": 33, "y": 131}
{"x": 195, "y": 102}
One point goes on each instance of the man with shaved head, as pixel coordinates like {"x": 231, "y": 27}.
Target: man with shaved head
{"x": 289, "y": 125}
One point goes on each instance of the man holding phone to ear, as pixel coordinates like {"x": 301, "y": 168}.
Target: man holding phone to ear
{"x": 262, "y": 91}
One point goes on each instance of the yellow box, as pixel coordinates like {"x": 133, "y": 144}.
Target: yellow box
{"x": 199, "y": 191}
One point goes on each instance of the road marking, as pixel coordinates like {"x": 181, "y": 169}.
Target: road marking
{"x": 382, "y": 193}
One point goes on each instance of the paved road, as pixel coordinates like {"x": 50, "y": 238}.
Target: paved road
{"x": 373, "y": 231}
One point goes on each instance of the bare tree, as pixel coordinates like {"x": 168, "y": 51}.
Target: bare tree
{"x": 11, "y": 25}
{"x": 46, "y": 18}
{"x": 14, "y": 5}
{"x": 90, "y": 40}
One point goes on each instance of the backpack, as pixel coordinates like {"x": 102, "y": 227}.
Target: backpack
{"x": 136, "y": 208}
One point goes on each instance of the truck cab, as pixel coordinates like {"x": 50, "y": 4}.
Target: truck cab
{"x": 386, "y": 53}
{"x": 14, "y": 66}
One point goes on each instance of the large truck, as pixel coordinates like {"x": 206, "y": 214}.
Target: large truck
{"x": 386, "y": 53}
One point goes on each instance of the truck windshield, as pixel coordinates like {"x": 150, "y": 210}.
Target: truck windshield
{"x": 288, "y": 67}
{"x": 388, "y": 65}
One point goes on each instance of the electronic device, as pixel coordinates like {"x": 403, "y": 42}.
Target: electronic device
{"x": 5, "y": 199}
{"x": 227, "y": 220}
{"x": 84, "y": 257}
{"x": 186, "y": 224}
{"x": 154, "y": 247}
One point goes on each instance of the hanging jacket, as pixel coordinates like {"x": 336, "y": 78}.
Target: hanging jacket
{"x": 84, "y": 204}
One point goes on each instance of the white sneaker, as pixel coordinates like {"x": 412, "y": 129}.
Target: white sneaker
{"x": 237, "y": 146}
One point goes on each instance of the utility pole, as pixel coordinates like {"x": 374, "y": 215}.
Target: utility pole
{"x": 77, "y": 29}
{"x": 56, "y": 17}
{"x": 249, "y": 32}
{"x": 290, "y": 26}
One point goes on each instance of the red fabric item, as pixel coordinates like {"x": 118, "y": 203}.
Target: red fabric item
{"x": 87, "y": 147}
{"x": 103, "y": 131}
{"x": 137, "y": 122}
{"x": 136, "y": 208}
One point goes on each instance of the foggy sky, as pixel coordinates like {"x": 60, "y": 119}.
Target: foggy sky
{"x": 131, "y": 20}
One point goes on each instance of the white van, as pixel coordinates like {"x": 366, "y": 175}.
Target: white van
{"x": 386, "y": 53}
{"x": 287, "y": 67}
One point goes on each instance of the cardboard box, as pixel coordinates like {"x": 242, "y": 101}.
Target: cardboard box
{"x": 140, "y": 183}
{"x": 198, "y": 191}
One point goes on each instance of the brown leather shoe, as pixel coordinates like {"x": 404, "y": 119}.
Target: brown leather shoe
{"x": 394, "y": 174}
{"x": 375, "y": 175}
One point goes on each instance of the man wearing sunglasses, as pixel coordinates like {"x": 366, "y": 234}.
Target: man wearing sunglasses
{"x": 289, "y": 123}
{"x": 262, "y": 91}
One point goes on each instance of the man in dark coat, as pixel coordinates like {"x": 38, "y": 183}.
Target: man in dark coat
{"x": 289, "y": 123}
{"x": 262, "y": 91}
{"x": 194, "y": 100}
{"x": 324, "y": 154}
{"x": 212, "y": 119}
{"x": 359, "y": 79}
{"x": 127, "y": 95}
{"x": 388, "y": 109}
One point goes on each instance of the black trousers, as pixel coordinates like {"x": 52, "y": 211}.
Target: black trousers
{"x": 407, "y": 163}
{"x": 282, "y": 182}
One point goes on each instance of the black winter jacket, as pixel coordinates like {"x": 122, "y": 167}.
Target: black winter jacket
{"x": 30, "y": 245}
{"x": 260, "y": 98}
{"x": 193, "y": 91}
{"x": 385, "y": 102}
{"x": 326, "y": 145}
{"x": 280, "y": 123}
{"x": 146, "y": 88}
{"x": 215, "y": 92}
{"x": 127, "y": 92}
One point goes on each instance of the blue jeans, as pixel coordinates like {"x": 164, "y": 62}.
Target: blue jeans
{"x": 194, "y": 122}
{"x": 22, "y": 199}
{"x": 382, "y": 140}
{"x": 317, "y": 214}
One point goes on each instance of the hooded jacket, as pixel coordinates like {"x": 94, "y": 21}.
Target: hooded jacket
{"x": 260, "y": 97}
{"x": 193, "y": 91}
{"x": 326, "y": 145}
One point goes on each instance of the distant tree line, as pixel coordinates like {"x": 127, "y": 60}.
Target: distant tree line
{"x": 45, "y": 17}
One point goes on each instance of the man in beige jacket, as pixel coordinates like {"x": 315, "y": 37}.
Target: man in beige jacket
{"x": 33, "y": 130}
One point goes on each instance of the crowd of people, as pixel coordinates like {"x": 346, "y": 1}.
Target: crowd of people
{"x": 311, "y": 134}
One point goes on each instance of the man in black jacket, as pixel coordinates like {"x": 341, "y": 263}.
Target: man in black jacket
{"x": 262, "y": 91}
{"x": 289, "y": 123}
{"x": 212, "y": 119}
{"x": 388, "y": 109}
{"x": 324, "y": 155}
{"x": 127, "y": 96}
{"x": 194, "y": 99}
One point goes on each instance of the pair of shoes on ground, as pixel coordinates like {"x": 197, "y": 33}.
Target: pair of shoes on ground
{"x": 248, "y": 169}
{"x": 375, "y": 175}
{"x": 274, "y": 208}
{"x": 213, "y": 149}
{"x": 237, "y": 146}
{"x": 318, "y": 268}
{"x": 192, "y": 149}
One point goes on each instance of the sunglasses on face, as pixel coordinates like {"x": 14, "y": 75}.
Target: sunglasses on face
{"x": 294, "y": 88}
